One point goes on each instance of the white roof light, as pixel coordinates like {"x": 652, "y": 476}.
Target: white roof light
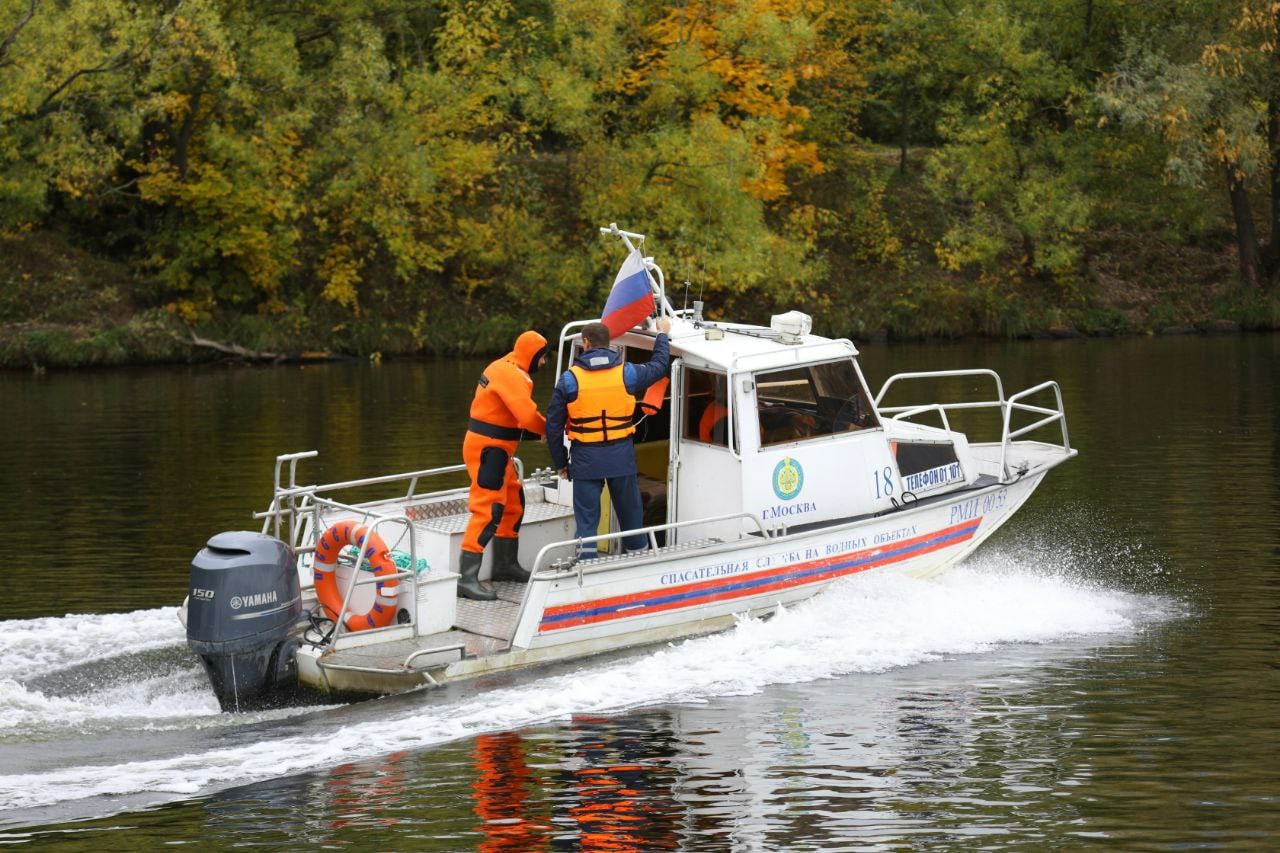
{"x": 791, "y": 326}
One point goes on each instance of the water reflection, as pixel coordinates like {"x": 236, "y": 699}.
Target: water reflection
{"x": 1051, "y": 746}
{"x": 504, "y": 788}
{"x": 616, "y": 783}
{"x": 366, "y": 793}
{"x": 1163, "y": 739}
{"x": 600, "y": 783}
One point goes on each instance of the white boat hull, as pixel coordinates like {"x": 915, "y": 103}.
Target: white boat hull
{"x": 675, "y": 593}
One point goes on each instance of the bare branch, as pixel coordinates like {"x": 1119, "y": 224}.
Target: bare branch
{"x": 122, "y": 190}
{"x": 234, "y": 349}
{"x": 253, "y": 355}
{"x": 115, "y": 63}
{"x": 50, "y": 103}
{"x": 13, "y": 34}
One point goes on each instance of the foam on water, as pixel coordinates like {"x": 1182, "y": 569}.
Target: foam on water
{"x": 861, "y": 625}
{"x": 92, "y": 673}
{"x": 37, "y": 646}
{"x": 164, "y": 700}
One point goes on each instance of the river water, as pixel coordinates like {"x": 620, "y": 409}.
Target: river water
{"x": 1104, "y": 672}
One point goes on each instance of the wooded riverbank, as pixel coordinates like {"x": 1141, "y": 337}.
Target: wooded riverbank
{"x": 428, "y": 179}
{"x": 61, "y": 308}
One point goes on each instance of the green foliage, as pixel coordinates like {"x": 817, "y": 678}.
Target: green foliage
{"x": 1107, "y": 319}
{"x": 66, "y": 100}
{"x": 1008, "y": 167}
{"x": 380, "y": 176}
{"x": 1251, "y": 309}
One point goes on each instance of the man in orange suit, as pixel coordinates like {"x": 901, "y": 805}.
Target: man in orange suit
{"x": 502, "y": 412}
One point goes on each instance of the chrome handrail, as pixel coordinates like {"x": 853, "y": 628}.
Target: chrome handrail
{"x": 412, "y": 476}
{"x": 1007, "y": 408}
{"x": 920, "y": 410}
{"x": 539, "y": 574}
{"x": 1051, "y": 416}
{"x": 411, "y": 573}
{"x": 451, "y": 647}
{"x": 285, "y": 499}
{"x": 942, "y": 374}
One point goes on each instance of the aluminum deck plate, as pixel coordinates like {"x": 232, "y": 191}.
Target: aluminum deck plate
{"x": 430, "y": 517}
{"x": 496, "y": 619}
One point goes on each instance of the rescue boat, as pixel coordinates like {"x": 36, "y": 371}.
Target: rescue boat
{"x": 770, "y": 472}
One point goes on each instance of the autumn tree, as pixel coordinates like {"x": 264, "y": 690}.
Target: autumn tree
{"x": 67, "y": 82}
{"x": 704, "y": 136}
{"x": 1212, "y": 93}
{"x": 1006, "y": 168}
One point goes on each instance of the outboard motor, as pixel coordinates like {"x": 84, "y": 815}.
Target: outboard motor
{"x": 243, "y": 615}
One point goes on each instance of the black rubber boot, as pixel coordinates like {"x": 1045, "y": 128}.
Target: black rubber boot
{"x": 469, "y": 578}
{"x": 506, "y": 560}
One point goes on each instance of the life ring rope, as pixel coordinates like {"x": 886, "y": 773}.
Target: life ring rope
{"x": 374, "y": 552}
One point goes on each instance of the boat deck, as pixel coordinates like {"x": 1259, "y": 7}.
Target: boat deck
{"x": 493, "y": 619}
{"x": 1022, "y": 455}
{"x": 482, "y": 628}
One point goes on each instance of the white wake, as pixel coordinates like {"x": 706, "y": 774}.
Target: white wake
{"x": 864, "y": 624}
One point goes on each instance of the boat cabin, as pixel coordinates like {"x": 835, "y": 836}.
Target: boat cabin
{"x": 773, "y": 421}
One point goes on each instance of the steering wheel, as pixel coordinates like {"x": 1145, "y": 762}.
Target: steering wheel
{"x": 857, "y": 417}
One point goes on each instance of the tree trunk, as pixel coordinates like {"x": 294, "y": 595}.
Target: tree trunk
{"x": 1273, "y": 148}
{"x": 1271, "y": 259}
{"x": 1246, "y": 235}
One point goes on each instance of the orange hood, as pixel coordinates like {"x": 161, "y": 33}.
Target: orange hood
{"x": 528, "y": 350}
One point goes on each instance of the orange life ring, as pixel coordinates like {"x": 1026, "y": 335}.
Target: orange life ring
{"x": 331, "y": 543}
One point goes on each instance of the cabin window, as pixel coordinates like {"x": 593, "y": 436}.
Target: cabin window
{"x": 706, "y": 412}
{"x": 811, "y": 401}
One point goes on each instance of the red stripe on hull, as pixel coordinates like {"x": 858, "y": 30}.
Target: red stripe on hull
{"x": 620, "y": 610}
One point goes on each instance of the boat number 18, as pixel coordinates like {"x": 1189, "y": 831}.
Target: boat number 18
{"x": 884, "y": 482}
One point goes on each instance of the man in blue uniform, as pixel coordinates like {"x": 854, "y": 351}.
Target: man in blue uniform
{"x": 594, "y": 404}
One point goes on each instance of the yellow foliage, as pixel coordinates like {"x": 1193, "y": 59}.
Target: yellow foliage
{"x": 340, "y": 273}
{"x": 753, "y": 88}
{"x": 184, "y": 309}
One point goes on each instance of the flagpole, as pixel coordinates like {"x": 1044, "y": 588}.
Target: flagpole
{"x": 659, "y": 286}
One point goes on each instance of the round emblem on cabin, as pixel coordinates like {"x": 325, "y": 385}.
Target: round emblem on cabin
{"x": 788, "y": 478}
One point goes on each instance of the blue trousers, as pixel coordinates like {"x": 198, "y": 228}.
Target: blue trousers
{"x": 624, "y": 492}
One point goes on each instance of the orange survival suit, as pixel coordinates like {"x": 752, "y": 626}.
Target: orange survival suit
{"x": 502, "y": 412}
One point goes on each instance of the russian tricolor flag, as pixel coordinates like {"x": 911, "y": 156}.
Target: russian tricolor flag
{"x": 631, "y": 299}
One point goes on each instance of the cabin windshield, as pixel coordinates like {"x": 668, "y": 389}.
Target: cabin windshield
{"x": 810, "y": 401}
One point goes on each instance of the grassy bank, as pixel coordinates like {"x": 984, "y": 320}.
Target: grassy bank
{"x": 62, "y": 307}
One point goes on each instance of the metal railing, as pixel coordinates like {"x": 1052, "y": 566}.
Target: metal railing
{"x": 1006, "y": 406}
{"x": 356, "y": 580}
{"x": 305, "y": 505}
{"x": 920, "y": 410}
{"x": 410, "y": 573}
{"x": 540, "y": 573}
{"x": 293, "y": 500}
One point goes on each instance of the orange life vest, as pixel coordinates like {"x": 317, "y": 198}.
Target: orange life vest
{"x": 654, "y": 396}
{"x": 714, "y": 413}
{"x": 604, "y": 410}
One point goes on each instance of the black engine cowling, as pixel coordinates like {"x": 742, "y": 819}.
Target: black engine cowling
{"x": 244, "y": 610}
